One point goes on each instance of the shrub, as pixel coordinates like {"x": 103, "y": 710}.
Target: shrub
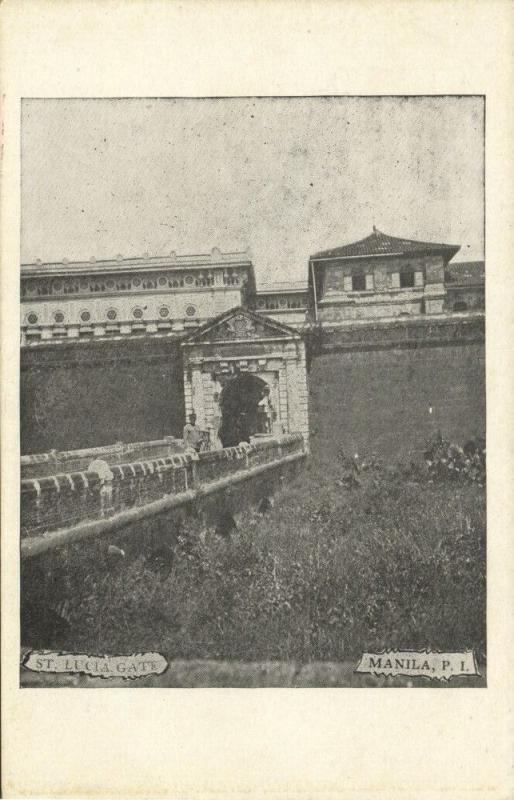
{"x": 396, "y": 559}
{"x": 446, "y": 461}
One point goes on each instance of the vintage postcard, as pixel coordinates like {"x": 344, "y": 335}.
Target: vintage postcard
{"x": 252, "y": 334}
{"x": 255, "y": 442}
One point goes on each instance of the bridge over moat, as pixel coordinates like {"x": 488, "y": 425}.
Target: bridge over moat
{"x": 64, "y": 508}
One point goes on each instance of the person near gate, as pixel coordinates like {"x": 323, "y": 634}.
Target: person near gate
{"x": 193, "y": 436}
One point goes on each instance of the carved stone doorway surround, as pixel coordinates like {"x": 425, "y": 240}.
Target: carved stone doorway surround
{"x": 243, "y": 341}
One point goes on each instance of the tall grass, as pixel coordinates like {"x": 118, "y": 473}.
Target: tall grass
{"x": 348, "y": 559}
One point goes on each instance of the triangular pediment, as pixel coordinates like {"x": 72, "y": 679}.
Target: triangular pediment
{"x": 241, "y": 323}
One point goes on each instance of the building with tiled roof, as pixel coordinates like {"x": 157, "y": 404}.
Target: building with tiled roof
{"x": 379, "y": 276}
{"x": 104, "y": 340}
{"x": 465, "y": 273}
{"x": 465, "y": 286}
{"x": 381, "y": 244}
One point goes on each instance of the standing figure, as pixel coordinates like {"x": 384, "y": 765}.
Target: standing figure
{"x": 264, "y": 412}
{"x": 216, "y": 423}
{"x": 193, "y": 436}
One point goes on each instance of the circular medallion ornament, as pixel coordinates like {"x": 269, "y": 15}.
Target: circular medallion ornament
{"x": 241, "y": 325}
{"x": 137, "y": 281}
{"x": 59, "y": 317}
{"x": 190, "y": 311}
{"x": 32, "y": 318}
{"x": 111, "y": 314}
{"x": 189, "y": 279}
{"x": 162, "y": 280}
{"x": 85, "y": 316}
{"x": 137, "y": 313}
{"x": 164, "y": 311}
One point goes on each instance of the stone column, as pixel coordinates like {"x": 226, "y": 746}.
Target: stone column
{"x": 188, "y": 390}
{"x": 292, "y": 394}
{"x": 303, "y": 394}
{"x": 207, "y": 390}
{"x": 297, "y": 392}
{"x": 198, "y": 395}
{"x": 283, "y": 408}
{"x": 435, "y": 290}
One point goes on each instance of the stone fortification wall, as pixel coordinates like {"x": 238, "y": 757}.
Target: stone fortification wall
{"x": 393, "y": 401}
{"x": 85, "y": 394}
{"x": 411, "y": 333}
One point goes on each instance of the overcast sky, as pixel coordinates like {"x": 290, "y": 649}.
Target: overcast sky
{"x": 286, "y": 177}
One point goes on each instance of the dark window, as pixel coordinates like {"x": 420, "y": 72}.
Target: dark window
{"x": 406, "y": 279}
{"x": 460, "y": 305}
{"x": 358, "y": 282}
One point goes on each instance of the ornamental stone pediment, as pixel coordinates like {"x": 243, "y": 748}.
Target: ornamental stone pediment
{"x": 240, "y": 324}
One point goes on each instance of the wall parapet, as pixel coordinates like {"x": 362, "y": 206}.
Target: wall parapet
{"x": 55, "y": 462}
{"x": 63, "y": 507}
{"x": 412, "y": 332}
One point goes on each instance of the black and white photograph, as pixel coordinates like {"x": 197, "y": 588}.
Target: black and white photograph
{"x": 252, "y": 392}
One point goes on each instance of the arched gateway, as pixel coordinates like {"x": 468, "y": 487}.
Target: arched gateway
{"x": 241, "y": 401}
{"x": 245, "y": 376}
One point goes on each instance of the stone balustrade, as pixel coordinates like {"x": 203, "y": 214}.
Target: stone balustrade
{"x": 63, "y": 501}
{"x": 44, "y": 464}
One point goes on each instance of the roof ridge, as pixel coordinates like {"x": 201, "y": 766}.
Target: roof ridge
{"x": 376, "y": 244}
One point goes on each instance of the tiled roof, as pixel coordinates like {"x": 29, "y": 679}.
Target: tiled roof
{"x": 465, "y": 272}
{"x": 283, "y": 286}
{"x": 380, "y": 244}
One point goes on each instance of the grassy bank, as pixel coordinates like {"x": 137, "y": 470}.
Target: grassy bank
{"x": 348, "y": 559}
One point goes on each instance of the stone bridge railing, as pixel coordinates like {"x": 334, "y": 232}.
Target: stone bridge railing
{"x": 65, "y": 507}
{"x": 41, "y": 464}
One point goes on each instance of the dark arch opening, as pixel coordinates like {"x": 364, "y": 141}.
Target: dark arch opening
{"x": 239, "y": 403}
{"x": 460, "y": 305}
